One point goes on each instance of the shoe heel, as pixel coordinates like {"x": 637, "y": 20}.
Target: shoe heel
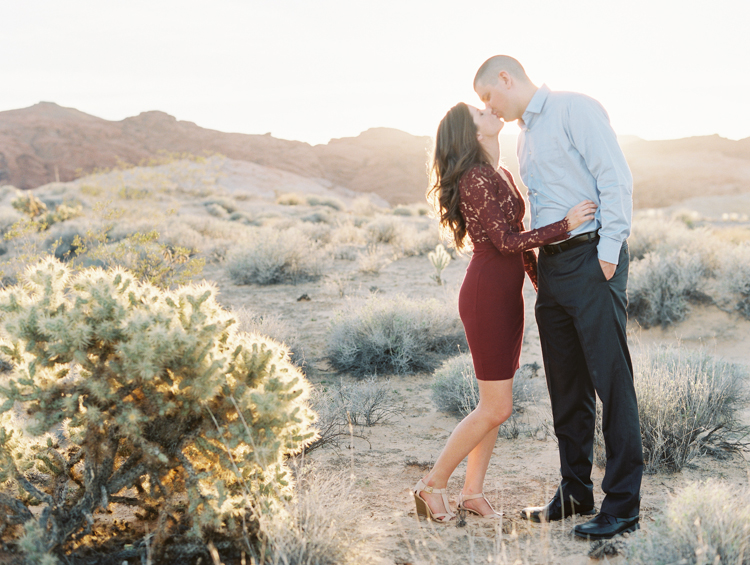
{"x": 422, "y": 508}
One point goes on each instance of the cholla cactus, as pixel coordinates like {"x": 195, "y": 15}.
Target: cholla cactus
{"x": 439, "y": 259}
{"x": 29, "y": 204}
{"x": 123, "y": 386}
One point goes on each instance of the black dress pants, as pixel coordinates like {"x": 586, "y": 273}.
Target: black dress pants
{"x": 582, "y": 320}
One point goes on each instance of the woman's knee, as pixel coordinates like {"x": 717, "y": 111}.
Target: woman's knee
{"x": 496, "y": 415}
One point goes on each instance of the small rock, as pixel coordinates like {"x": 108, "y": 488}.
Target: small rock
{"x": 610, "y": 547}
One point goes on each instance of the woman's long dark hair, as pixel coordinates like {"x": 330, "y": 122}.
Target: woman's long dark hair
{"x": 457, "y": 150}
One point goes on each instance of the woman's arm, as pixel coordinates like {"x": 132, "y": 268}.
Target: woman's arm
{"x": 489, "y": 201}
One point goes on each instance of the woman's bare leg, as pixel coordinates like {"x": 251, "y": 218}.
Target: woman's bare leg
{"x": 477, "y": 431}
{"x": 476, "y": 469}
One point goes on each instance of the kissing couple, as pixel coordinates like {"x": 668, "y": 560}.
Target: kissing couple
{"x": 580, "y": 197}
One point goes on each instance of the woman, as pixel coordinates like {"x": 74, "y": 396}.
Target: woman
{"x": 476, "y": 198}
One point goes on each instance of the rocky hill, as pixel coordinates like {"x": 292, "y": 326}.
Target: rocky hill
{"x": 47, "y": 142}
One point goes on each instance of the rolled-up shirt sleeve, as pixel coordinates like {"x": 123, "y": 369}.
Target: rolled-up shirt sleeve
{"x": 590, "y": 132}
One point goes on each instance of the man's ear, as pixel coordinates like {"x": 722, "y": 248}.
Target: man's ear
{"x": 504, "y": 78}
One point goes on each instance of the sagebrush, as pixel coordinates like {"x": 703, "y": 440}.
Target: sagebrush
{"x": 392, "y": 335}
{"x": 688, "y": 404}
{"x": 707, "y": 522}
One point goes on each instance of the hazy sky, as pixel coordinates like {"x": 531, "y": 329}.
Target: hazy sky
{"x": 316, "y": 69}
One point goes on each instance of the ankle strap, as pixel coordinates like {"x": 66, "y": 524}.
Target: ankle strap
{"x": 463, "y": 496}
{"x": 422, "y": 487}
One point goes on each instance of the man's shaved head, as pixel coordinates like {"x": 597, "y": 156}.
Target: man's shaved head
{"x": 491, "y": 68}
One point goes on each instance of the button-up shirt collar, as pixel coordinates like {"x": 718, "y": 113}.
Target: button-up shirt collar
{"x": 535, "y": 106}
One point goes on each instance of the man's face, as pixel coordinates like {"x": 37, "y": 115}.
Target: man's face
{"x": 496, "y": 98}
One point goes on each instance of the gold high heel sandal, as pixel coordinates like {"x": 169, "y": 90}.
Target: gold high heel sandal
{"x": 463, "y": 498}
{"x": 423, "y": 509}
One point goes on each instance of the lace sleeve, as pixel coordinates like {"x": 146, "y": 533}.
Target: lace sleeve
{"x": 489, "y": 201}
{"x": 529, "y": 265}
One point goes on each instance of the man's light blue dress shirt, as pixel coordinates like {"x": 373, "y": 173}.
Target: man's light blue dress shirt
{"x": 568, "y": 152}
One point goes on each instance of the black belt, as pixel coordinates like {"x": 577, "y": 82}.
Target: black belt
{"x": 554, "y": 248}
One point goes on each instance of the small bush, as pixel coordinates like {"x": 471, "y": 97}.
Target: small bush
{"x": 366, "y": 403}
{"x": 392, "y": 335}
{"x": 373, "y": 259}
{"x": 317, "y": 217}
{"x": 454, "y": 386}
{"x": 216, "y": 210}
{"x": 661, "y": 287}
{"x": 291, "y": 199}
{"x": 322, "y": 525}
{"x": 329, "y": 201}
{"x": 688, "y": 404}
{"x": 363, "y": 206}
{"x": 384, "y": 229}
{"x": 275, "y": 257}
{"x": 227, "y": 204}
{"x": 735, "y": 279}
{"x": 707, "y": 522}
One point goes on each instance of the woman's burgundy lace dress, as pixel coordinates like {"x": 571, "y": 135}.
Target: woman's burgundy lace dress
{"x": 491, "y": 298}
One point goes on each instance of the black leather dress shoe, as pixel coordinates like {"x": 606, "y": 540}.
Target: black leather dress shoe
{"x": 555, "y": 510}
{"x": 605, "y": 526}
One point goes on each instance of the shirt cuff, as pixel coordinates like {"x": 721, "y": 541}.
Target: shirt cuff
{"x": 609, "y": 250}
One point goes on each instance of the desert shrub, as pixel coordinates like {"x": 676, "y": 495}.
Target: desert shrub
{"x": 347, "y": 233}
{"x": 329, "y": 201}
{"x": 366, "y": 403}
{"x": 216, "y": 210}
{"x": 707, "y": 522}
{"x": 274, "y": 257}
{"x": 273, "y": 327}
{"x": 317, "y": 217}
{"x": 418, "y": 241}
{"x": 454, "y": 386}
{"x": 735, "y": 279}
{"x": 227, "y": 204}
{"x": 688, "y": 404}
{"x": 363, "y": 206}
{"x": 402, "y": 211}
{"x": 144, "y": 397}
{"x": 663, "y": 236}
{"x": 323, "y": 525}
{"x": 384, "y": 229}
{"x": 661, "y": 287}
{"x": 291, "y": 199}
{"x": 372, "y": 259}
{"x": 392, "y": 335}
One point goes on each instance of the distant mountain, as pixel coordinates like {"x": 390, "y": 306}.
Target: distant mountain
{"x": 47, "y": 142}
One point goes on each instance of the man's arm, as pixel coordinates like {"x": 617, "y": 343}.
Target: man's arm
{"x": 592, "y": 135}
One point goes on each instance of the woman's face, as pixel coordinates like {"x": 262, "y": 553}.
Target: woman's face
{"x": 488, "y": 125}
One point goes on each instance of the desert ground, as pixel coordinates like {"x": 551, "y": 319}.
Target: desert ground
{"x": 220, "y": 208}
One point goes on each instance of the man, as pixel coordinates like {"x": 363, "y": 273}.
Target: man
{"x": 568, "y": 152}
